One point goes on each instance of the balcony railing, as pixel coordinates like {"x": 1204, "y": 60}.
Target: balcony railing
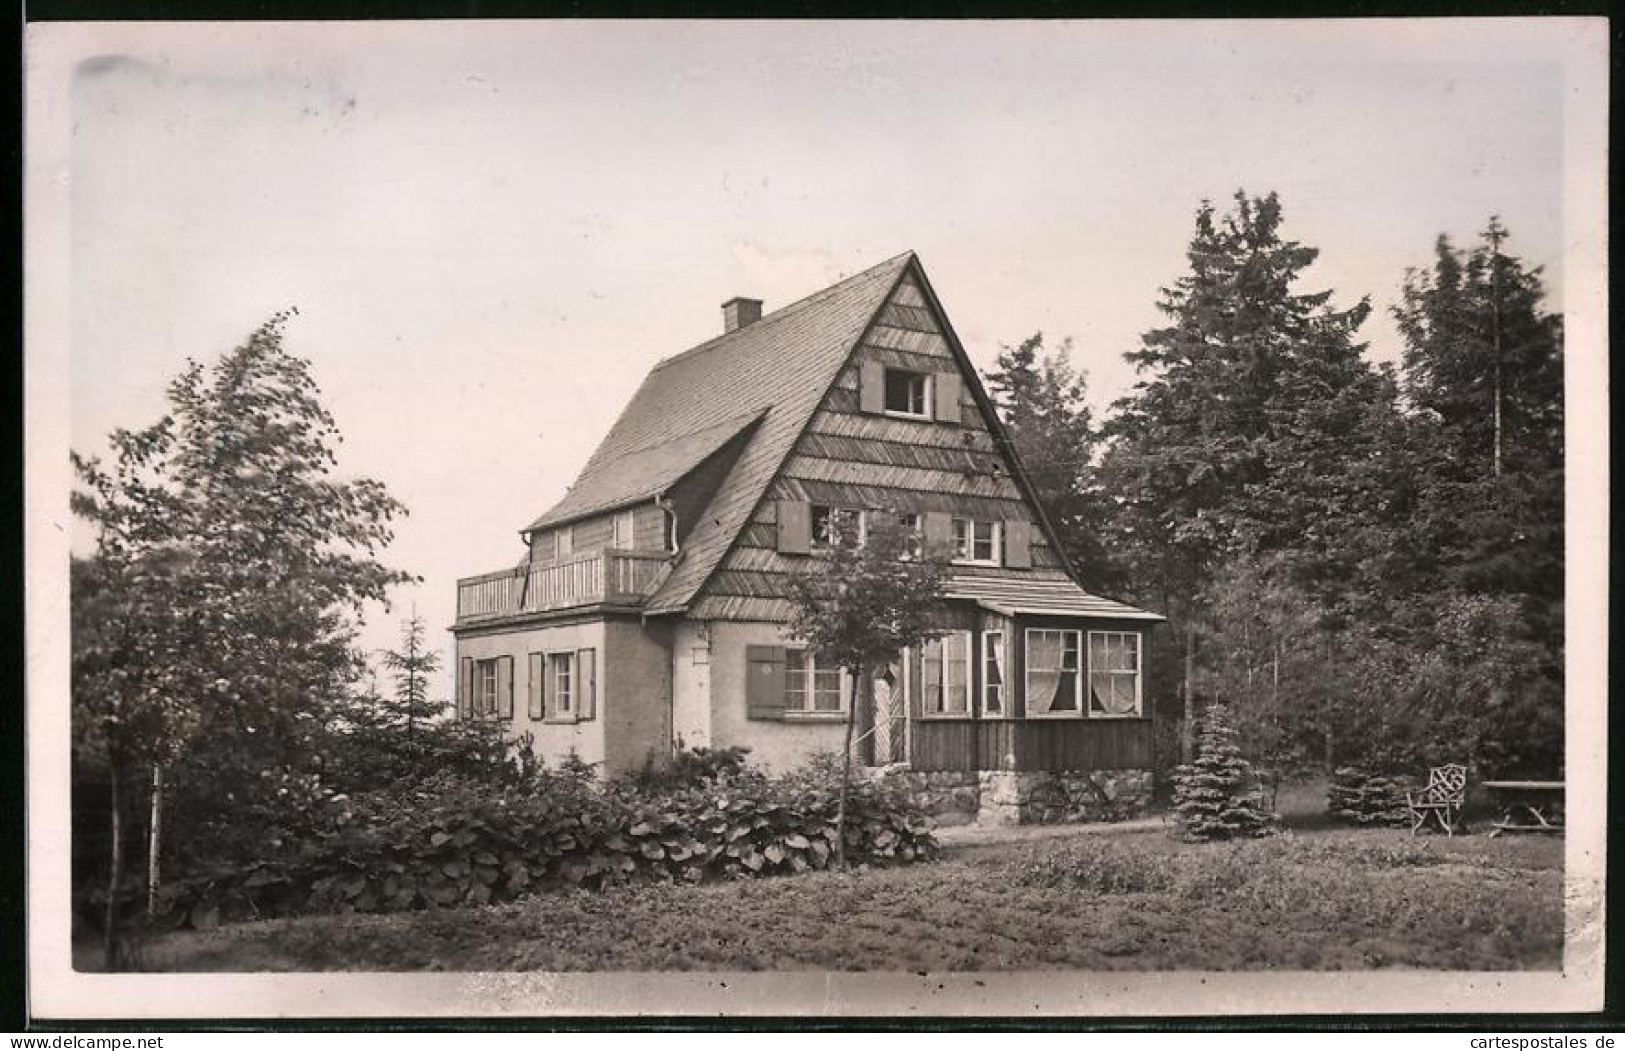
{"x": 620, "y": 578}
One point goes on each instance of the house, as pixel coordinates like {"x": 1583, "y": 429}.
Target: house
{"x": 649, "y": 610}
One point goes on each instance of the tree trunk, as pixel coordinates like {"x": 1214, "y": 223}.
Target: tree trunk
{"x": 1187, "y": 733}
{"x": 115, "y": 869}
{"x": 155, "y": 826}
{"x": 859, "y": 682}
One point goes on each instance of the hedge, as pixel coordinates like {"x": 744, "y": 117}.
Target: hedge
{"x": 462, "y": 849}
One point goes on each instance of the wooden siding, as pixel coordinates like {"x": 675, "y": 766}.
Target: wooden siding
{"x": 1038, "y": 744}
{"x": 596, "y": 533}
{"x": 848, "y": 458}
{"x": 612, "y": 577}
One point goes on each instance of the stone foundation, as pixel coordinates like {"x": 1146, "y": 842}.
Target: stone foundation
{"x": 950, "y": 797}
{"x": 1009, "y": 797}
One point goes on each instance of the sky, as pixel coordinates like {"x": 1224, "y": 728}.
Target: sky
{"x": 492, "y": 230}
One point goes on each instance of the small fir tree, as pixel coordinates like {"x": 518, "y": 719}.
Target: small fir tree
{"x": 1216, "y": 796}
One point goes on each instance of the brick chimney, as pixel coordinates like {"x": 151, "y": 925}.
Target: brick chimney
{"x": 739, "y": 312}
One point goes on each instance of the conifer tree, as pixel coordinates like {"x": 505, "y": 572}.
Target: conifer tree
{"x": 1042, "y": 401}
{"x": 1216, "y": 795}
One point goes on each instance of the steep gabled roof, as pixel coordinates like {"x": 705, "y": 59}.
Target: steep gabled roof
{"x": 607, "y": 483}
{"x": 776, "y": 369}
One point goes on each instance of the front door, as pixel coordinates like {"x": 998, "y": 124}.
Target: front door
{"x": 891, "y": 716}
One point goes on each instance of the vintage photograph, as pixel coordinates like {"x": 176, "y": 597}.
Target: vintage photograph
{"x": 937, "y": 517}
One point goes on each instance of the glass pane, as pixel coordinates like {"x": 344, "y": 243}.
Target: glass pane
{"x": 957, "y": 697}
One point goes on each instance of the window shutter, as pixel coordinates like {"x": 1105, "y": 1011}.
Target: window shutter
{"x": 938, "y": 529}
{"x": 465, "y": 691}
{"x": 946, "y": 394}
{"x": 504, "y": 698}
{"x": 587, "y": 691}
{"x": 1018, "y": 552}
{"x": 536, "y": 696}
{"x": 764, "y": 682}
{"x": 871, "y": 387}
{"x": 795, "y": 527}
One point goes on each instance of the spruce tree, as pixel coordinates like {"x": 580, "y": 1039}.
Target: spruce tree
{"x": 1042, "y": 400}
{"x": 1216, "y": 795}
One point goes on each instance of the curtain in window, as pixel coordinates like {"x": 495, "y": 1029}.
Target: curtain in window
{"x": 931, "y": 677}
{"x": 1044, "y": 650}
{"x": 994, "y": 700}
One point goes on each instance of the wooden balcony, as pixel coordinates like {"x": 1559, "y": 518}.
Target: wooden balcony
{"x": 607, "y": 577}
{"x": 1030, "y": 744}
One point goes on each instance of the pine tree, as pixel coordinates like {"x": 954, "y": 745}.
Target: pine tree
{"x": 412, "y": 666}
{"x": 1216, "y": 796}
{"x": 1042, "y": 400}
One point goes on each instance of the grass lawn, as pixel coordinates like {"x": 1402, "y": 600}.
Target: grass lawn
{"x": 1317, "y": 899}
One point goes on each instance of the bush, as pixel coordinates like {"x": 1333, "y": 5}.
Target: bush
{"x": 1217, "y": 795}
{"x": 693, "y": 768}
{"x": 1359, "y": 797}
{"x": 456, "y": 843}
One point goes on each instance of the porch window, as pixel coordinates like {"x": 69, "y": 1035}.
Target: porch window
{"x": 809, "y": 688}
{"x": 1114, "y": 673}
{"x": 975, "y": 542}
{"x": 1053, "y": 672}
{"x": 945, "y": 675}
{"x": 831, "y": 524}
{"x": 993, "y": 673}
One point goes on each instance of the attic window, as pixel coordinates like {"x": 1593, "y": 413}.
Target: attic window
{"x": 908, "y": 393}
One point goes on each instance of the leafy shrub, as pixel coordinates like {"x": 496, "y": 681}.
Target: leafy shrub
{"x": 1358, "y": 796}
{"x": 693, "y": 768}
{"x": 455, "y": 843}
{"x": 1217, "y": 796}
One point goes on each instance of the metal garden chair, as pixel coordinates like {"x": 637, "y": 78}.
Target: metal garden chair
{"x": 1441, "y": 801}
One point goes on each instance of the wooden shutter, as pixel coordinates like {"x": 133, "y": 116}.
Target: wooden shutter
{"x": 795, "y": 527}
{"x": 504, "y": 697}
{"x": 586, "y": 684}
{"x": 871, "y": 387}
{"x": 1018, "y": 552}
{"x": 536, "y": 706}
{"x": 946, "y": 396}
{"x": 764, "y": 682}
{"x": 938, "y": 527}
{"x": 465, "y": 691}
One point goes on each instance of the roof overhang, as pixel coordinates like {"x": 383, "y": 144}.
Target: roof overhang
{"x": 1012, "y": 596}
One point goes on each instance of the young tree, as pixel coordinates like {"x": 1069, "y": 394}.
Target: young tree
{"x": 412, "y": 665}
{"x": 1216, "y": 796}
{"x": 1042, "y": 400}
{"x": 249, "y": 565}
{"x": 859, "y": 606}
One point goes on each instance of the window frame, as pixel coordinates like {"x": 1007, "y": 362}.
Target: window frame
{"x": 808, "y": 691}
{"x": 1138, "y": 673}
{"x": 485, "y": 691}
{"x": 618, "y": 541}
{"x": 816, "y": 542}
{"x": 993, "y": 640}
{"x": 925, "y": 384}
{"x": 996, "y": 539}
{"x": 941, "y": 644}
{"x": 913, "y": 524}
{"x": 1083, "y": 673}
{"x": 554, "y": 712}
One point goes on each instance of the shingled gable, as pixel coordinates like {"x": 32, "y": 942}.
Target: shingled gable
{"x": 804, "y": 388}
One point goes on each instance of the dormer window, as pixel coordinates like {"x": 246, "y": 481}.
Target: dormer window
{"x": 831, "y": 524}
{"x": 976, "y": 543}
{"x": 908, "y": 393}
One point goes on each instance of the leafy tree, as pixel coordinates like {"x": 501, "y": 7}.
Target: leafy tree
{"x": 245, "y": 566}
{"x": 859, "y": 606}
{"x": 1041, "y": 399}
